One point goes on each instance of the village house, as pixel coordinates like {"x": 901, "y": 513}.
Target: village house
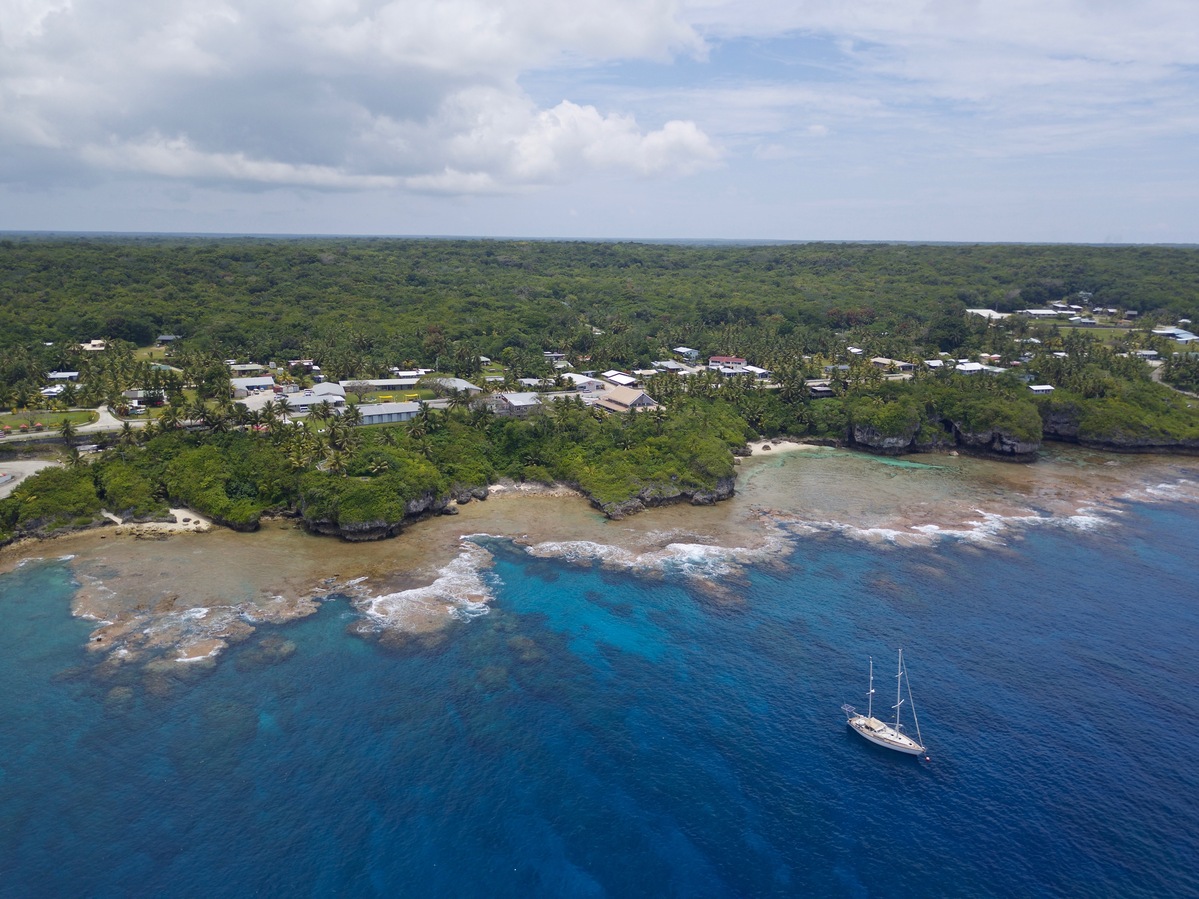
{"x": 140, "y": 397}
{"x": 302, "y": 401}
{"x": 360, "y": 385}
{"x": 686, "y": 352}
{"x": 1038, "y": 313}
{"x": 387, "y": 413}
{"x": 619, "y": 378}
{"x": 882, "y": 362}
{"x": 583, "y": 382}
{"x": 514, "y": 405}
{"x": 449, "y": 385}
{"x": 819, "y": 390}
{"x": 243, "y": 387}
{"x": 1041, "y": 389}
{"x": 727, "y": 365}
{"x": 622, "y": 399}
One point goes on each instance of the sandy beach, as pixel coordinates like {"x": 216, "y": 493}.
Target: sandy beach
{"x": 185, "y": 522}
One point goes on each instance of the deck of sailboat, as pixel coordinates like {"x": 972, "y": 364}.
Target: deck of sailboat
{"x": 884, "y": 734}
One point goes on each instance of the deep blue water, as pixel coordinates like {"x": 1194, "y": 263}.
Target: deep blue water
{"x": 599, "y": 734}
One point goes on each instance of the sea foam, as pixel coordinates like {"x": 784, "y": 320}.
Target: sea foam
{"x": 458, "y": 591}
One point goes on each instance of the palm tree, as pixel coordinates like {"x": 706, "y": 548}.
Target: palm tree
{"x": 658, "y": 416}
{"x": 217, "y": 420}
{"x": 480, "y": 417}
{"x": 169, "y": 419}
{"x": 338, "y": 462}
{"x": 197, "y": 411}
{"x": 67, "y": 431}
{"x": 459, "y": 399}
{"x": 322, "y": 411}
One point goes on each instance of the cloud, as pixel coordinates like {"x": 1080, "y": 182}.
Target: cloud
{"x": 177, "y": 158}
{"x": 334, "y": 94}
{"x": 946, "y": 78}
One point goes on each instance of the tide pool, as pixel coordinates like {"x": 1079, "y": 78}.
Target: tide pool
{"x": 613, "y": 734}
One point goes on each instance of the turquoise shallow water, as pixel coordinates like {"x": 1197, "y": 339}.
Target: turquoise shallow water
{"x": 602, "y": 734}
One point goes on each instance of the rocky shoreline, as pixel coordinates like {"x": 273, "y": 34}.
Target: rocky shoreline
{"x": 932, "y": 438}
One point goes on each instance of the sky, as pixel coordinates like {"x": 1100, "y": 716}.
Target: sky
{"x": 921, "y": 120}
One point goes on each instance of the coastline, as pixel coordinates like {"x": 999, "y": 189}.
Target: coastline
{"x": 158, "y": 600}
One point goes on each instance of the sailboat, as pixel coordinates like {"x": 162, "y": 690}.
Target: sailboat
{"x": 890, "y": 736}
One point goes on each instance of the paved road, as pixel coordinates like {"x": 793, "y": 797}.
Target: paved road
{"x": 106, "y": 422}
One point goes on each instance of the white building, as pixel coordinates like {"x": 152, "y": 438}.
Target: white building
{"x": 387, "y": 413}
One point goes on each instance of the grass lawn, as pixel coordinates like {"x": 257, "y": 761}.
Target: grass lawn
{"x": 52, "y": 420}
{"x": 392, "y": 396}
{"x": 150, "y": 354}
{"x": 1101, "y": 333}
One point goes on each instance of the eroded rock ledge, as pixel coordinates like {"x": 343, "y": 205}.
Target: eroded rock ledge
{"x": 664, "y": 495}
{"x": 414, "y": 510}
{"x": 1065, "y": 425}
{"x": 946, "y": 435}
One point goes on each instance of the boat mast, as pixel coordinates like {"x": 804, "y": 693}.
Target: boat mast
{"x": 870, "y": 692}
{"x": 919, "y": 739}
{"x": 898, "y": 689}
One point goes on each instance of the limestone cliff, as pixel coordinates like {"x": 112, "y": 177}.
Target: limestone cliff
{"x": 664, "y": 495}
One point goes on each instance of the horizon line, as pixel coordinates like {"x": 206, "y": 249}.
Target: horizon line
{"x": 702, "y": 241}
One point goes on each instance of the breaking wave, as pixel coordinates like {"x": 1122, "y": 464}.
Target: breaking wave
{"x": 459, "y": 592}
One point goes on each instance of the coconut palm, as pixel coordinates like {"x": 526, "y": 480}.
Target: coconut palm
{"x": 169, "y": 419}
{"x": 197, "y": 411}
{"x": 337, "y": 462}
{"x": 459, "y": 400}
{"x": 322, "y": 411}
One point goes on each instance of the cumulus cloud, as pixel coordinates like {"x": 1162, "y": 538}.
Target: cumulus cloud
{"x": 335, "y": 94}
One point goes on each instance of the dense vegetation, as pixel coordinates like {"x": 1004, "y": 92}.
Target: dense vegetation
{"x": 360, "y": 307}
{"x": 368, "y": 481}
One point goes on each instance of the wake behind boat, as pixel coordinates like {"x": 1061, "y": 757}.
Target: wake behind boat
{"x": 889, "y": 736}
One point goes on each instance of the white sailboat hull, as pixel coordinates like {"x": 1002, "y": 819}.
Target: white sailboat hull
{"x": 881, "y": 734}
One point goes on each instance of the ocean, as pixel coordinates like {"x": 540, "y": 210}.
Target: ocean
{"x": 664, "y": 730}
